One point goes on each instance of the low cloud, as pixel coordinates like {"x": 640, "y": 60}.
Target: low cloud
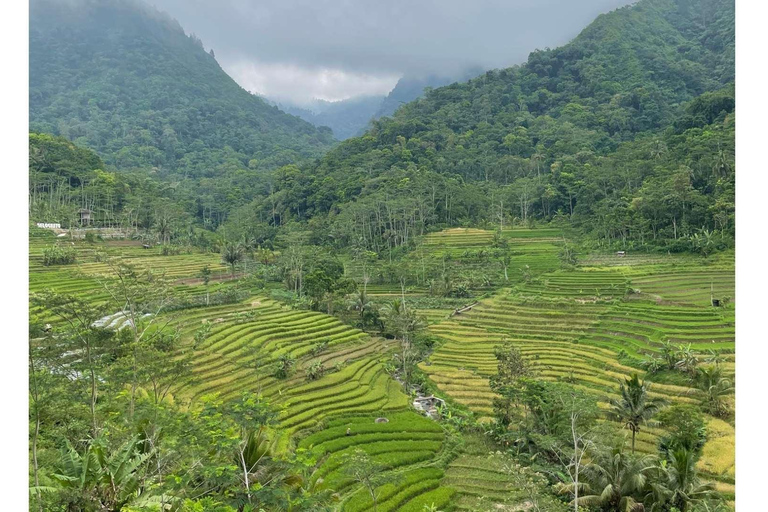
{"x": 299, "y": 85}
{"x": 339, "y": 48}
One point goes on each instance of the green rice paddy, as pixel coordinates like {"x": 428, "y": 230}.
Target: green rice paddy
{"x": 588, "y": 326}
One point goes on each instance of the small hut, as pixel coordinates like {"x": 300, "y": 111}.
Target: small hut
{"x": 621, "y": 254}
{"x": 428, "y": 404}
{"x": 85, "y": 216}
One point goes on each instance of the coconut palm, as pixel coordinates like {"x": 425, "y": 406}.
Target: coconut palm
{"x": 677, "y": 484}
{"x": 232, "y": 253}
{"x": 613, "y": 480}
{"x": 635, "y": 407}
{"x": 716, "y": 388}
{"x": 362, "y": 304}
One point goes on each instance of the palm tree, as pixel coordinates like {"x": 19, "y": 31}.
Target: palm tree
{"x": 163, "y": 225}
{"x": 362, "y": 304}
{"x": 716, "y": 388}
{"x": 678, "y": 484}
{"x": 635, "y": 407}
{"x": 613, "y": 480}
{"x": 233, "y": 252}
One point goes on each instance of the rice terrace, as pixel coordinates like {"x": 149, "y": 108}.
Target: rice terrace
{"x": 513, "y": 292}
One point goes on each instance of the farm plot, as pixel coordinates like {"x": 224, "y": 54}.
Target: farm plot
{"x": 466, "y": 256}
{"x": 407, "y": 445}
{"x": 222, "y": 363}
{"x": 557, "y": 337}
{"x": 482, "y": 485}
{"x": 690, "y": 285}
{"x": 532, "y": 251}
{"x": 354, "y": 391}
{"x": 544, "y": 332}
{"x": 584, "y": 284}
{"x": 640, "y": 328}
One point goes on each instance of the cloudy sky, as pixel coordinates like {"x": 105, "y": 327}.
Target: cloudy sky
{"x": 297, "y": 50}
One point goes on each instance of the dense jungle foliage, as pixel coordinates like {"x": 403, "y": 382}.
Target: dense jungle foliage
{"x": 125, "y": 80}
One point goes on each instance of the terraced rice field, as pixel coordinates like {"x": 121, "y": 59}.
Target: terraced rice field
{"x": 349, "y": 396}
{"x": 466, "y": 253}
{"x": 532, "y": 250}
{"x": 579, "y": 342}
{"x": 86, "y": 277}
{"x": 694, "y": 286}
{"x": 481, "y": 484}
{"x": 584, "y": 284}
{"x": 352, "y": 393}
{"x": 408, "y": 444}
{"x": 640, "y": 328}
{"x": 574, "y": 326}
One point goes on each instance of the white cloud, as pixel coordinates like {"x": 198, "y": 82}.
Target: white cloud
{"x": 358, "y": 45}
{"x": 299, "y": 85}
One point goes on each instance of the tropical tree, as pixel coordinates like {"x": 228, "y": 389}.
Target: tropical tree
{"x": 363, "y": 305}
{"x": 614, "y": 480}
{"x": 232, "y": 254}
{"x": 403, "y": 323}
{"x": 686, "y": 360}
{"x": 371, "y": 474}
{"x": 635, "y": 407}
{"x": 511, "y": 367}
{"x": 677, "y": 484}
{"x": 716, "y": 388}
{"x": 205, "y": 274}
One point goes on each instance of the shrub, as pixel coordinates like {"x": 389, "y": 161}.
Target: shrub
{"x": 170, "y": 250}
{"x": 315, "y": 370}
{"x": 319, "y": 348}
{"x": 459, "y": 290}
{"x": 57, "y": 255}
{"x": 284, "y": 367}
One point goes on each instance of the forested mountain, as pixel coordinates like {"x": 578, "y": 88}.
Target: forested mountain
{"x": 125, "y": 80}
{"x": 411, "y": 87}
{"x": 636, "y": 111}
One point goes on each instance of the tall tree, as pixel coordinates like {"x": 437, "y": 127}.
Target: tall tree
{"x": 635, "y": 407}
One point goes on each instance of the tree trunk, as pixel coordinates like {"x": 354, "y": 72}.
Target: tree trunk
{"x": 245, "y": 475}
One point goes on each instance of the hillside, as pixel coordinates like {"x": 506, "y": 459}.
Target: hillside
{"x": 411, "y": 87}
{"x": 542, "y": 140}
{"x": 126, "y": 81}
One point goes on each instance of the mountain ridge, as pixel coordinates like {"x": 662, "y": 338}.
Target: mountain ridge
{"x": 127, "y": 81}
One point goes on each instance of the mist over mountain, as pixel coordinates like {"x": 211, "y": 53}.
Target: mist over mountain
{"x": 351, "y": 117}
{"x": 304, "y": 49}
{"x": 568, "y": 133}
{"x": 346, "y": 118}
{"x": 411, "y": 87}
